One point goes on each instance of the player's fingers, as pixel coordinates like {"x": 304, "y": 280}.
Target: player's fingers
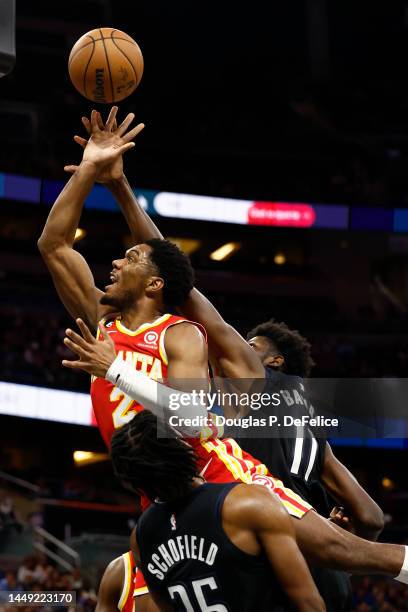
{"x": 133, "y": 133}
{"x": 81, "y": 141}
{"x": 77, "y": 339}
{"x": 100, "y": 120}
{"x": 86, "y": 123}
{"x": 126, "y": 147}
{"x": 85, "y": 331}
{"x": 74, "y": 365}
{"x": 71, "y": 169}
{"x": 95, "y": 121}
{"x": 125, "y": 124}
{"x": 111, "y": 118}
{"x": 77, "y": 348}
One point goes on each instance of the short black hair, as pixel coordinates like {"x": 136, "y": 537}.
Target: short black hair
{"x": 175, "y": 268}
{"x": 162, "y": 468}
{"x": 293, "y": 347}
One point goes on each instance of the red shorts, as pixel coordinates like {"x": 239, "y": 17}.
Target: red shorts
{"x": 225, "y": 461}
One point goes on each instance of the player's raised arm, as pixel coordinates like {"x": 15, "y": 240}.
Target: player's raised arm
{"x": 71, "y": 274}
{"x": 229, "y": 352}
{"x": 366, "y": 516}
{"x": 253, "y": 510}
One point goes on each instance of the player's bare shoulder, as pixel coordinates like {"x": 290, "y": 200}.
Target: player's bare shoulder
{"x": 185, "y": 336}
{"x": 111, "y": 585}
{"x": 251, "y": 506}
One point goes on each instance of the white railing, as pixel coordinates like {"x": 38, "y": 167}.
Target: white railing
{"x": 20, "y": 482}
{"x": 44, "y": 539}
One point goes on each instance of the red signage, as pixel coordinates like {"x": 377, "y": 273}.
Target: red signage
{"x": 281, "y": 214}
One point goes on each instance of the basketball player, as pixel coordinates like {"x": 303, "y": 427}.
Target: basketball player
{"x": 322, "y": 542}
{"x": 208, "y": 546}
{"x": 147, "y": 284}
{"x": 123, "y": 588}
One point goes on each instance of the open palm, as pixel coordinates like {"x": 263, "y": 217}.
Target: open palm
{"x": 106, "y": 144}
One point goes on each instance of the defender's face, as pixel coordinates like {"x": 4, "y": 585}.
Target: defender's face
{"x": 261, "y": 347}
{"x": 267, "y": 352}
{"x": 129, "y": 277}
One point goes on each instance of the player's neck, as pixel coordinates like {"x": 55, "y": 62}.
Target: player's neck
{"x": 142, "y": 313}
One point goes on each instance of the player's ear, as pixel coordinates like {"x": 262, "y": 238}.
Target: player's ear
{"x": 153, "y": 285}
{"x": 275, "y": 361}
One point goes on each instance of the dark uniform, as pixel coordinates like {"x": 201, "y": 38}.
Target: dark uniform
{"x": 296, "y": 456}
{"x": 190, "y": 562}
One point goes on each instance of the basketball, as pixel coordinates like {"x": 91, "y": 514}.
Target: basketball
{"x": 105, "y": 65}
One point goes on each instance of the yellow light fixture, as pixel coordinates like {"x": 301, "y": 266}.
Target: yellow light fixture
{"x": 279, "y": 259}
{"x": 79, "y": 234}
{"x": 225, "y": 251}
{"x": 87, "y": 457}
{"x": 187, "y": 245}
{"x": 387, "y": 483}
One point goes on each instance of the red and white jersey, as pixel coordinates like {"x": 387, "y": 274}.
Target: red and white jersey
{"x": 145, "y": 349}
{"x": 133, "y": 585}
{"x": 217, "y": 460}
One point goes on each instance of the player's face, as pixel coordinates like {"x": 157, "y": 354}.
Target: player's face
{"x": 261, "y": 347}
{"x": 266, "y": 353}
{"x": 129, "y": 277}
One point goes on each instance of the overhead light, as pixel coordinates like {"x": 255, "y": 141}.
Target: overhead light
{"x": 279, "y": 259}
{"x": 225, "y": 251}
{"x": 79, "y": 234}
{"x": 87, "y": 457}
{"x": 187, "y": 245}
{"x": 387, "y": 483}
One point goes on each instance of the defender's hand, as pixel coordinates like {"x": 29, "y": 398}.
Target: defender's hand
{"x": 106, "y": 144}
{"x": 95, "y": 357}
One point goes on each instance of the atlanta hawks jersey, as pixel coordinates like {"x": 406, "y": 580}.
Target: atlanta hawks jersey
{"x": 133, "y": 585}
{"x": 218, "y": 460}
{"x": 188, "y": 559}
{"x": 145, "y": 349}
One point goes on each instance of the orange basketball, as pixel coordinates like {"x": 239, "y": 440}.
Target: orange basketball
{"x": 105, "y": 65}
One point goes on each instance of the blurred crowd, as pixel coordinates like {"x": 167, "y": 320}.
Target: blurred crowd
{"x": 36, "y": 573}
{"x": 33, "y": 350}
{"x": 379, "y": 595}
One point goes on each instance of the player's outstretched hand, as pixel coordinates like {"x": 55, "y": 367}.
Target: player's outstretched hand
{"x": 95, "y": 357}
{"x": 106, "y": 144}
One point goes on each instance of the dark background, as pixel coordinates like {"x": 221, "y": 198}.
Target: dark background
{"x": 301, "y": 101}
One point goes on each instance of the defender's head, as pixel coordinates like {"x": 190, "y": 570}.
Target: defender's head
{"x": 281, "y": 348}
{"x": 163, "y": 468}
{"x": 156, "y": 269}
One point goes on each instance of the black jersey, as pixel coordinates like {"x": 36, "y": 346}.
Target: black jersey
{"x": 190, "y": 562}
{"x": 296, "y": 457}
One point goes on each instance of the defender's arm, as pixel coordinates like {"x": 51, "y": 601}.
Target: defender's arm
{"x": 367, "y": 516}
